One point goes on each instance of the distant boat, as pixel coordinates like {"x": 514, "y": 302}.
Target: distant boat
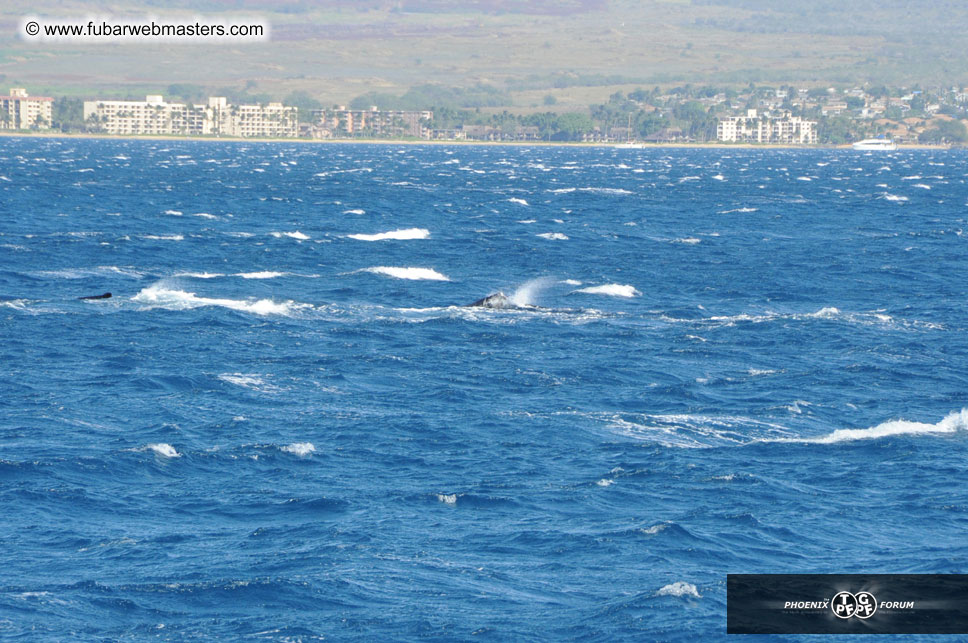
{"x": 629, "y": 144}
{"x": 885, "y": 144}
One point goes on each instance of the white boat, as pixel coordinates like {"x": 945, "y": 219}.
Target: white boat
{"x": 867, "y": 144}
{"x": 629, "y": 144}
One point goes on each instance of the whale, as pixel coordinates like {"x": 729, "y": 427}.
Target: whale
{"x": 106, "y": 295}
{"x": 499, "y": 301}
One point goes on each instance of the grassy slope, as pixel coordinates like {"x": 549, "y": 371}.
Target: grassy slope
{"x": 336, "y": 51}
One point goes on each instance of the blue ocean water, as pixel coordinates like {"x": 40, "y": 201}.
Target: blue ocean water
{"x": 286, "y": 424}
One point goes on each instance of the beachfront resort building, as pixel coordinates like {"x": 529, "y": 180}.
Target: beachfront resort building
{"x": 340, "y": 121}
{"x": 156, "y": 116}
{"x": 21, "y": 111}
{"x": 766, "y": 128}
{"x": 273, "y": 120}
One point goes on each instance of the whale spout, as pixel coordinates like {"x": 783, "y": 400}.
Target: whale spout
{"x": 106, "y": 295}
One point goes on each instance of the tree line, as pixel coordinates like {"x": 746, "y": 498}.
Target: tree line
{"x": 691, "y": 111}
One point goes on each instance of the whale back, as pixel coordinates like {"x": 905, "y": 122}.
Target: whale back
{"x": 497, "y": 300}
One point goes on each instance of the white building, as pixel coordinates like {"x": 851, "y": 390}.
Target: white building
{"x": 755, "y": 128}
{"x": 20, "y": 111}
{"x": 274, "y": 120}
{"x": 155, "y": 116}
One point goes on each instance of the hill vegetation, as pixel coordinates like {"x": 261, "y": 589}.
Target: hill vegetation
{"x": 528, "y": 56}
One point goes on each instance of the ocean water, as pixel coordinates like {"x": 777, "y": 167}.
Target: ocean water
{"x": 287, "y": 425}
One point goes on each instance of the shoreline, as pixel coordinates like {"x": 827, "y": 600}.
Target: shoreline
{"x": 377, "y": 141}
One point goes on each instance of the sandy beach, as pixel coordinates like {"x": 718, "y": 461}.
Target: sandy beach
{"x": 375, "y": 141}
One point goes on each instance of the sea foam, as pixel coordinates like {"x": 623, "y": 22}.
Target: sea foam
{"x": 397, "y": 235}
{"x": 164, "y": 450}
{"x": 613, "y": 290}
{"x": 679, "y": 589}
{"x": 292, "y": 235}
{"x": 264, "y": 274}
{"x": 302, "y": 449}
{"x": 161, "y": 297}
{"x": 408, "y": 273}
{"x": 953, "y": 422}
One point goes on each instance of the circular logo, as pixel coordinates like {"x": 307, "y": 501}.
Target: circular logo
{"x": 866, "y": 604}
{"x": 861, "y": 605}
{"x": 844, "y": 605}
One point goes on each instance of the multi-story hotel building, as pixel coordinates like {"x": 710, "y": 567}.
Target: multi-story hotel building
{"x": 274, "y": 120}
{"x": 754, "y": 128}
{"x": 150, "y": 116}
{"x": 348, "y": 122}
{"x": 20, "y": 111}
{"x": 155, "y": 116}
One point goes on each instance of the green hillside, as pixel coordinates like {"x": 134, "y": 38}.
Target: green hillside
{"x": 502, "y": 53}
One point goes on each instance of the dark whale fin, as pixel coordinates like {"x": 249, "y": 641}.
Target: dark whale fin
{"x": 106, "y": 295}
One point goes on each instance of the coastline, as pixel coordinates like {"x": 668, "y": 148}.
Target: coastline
{"x": 375, "y": 141}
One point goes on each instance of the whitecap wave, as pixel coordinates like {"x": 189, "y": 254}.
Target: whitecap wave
{"x": 399, "y": 272}
{"x": 739, "y": 210}
{"x": 164, "y": 237}
{"x": 755, "y": 372}
{"x": 164, "y": 450}
{"x": 249, "y": 381}
{"x": 396, "y": 235}
{"x": 518, "y": 201}
{"x": 827, "y": 312}
{"x": 264, "y": 274}
{"x": 952, "y": 423}
{"x": 553, "y": 236}
{"x": 354, "y": 211}
{"x": 16, "y": 304}
{"x": 292, "y": 235}
{"x": 679, "y": 589}
{"x": 592, "y": 190}
{"x": 688, "y": 240}
{"x": 199, "y": 275}
{"x": 612, "y": 191}
{"x": 612, "y": 290}
{"x": 158, "y": 296}
{"x": 301, "y": 449}
{"x": 447, "y": 499}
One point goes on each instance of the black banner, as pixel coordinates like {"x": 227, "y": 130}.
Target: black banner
{"x": 847, "y": 603}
